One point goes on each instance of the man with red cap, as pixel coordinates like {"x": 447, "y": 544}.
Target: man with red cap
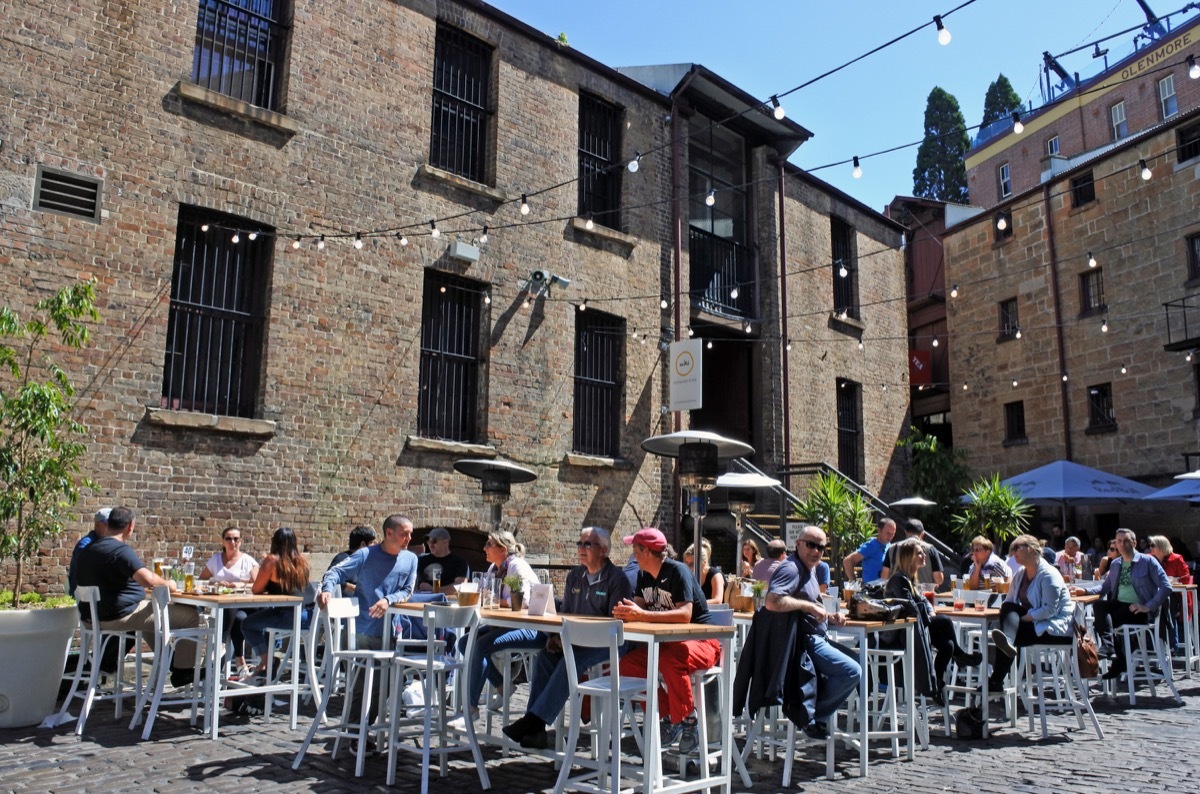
{"x": 667, "y": 592}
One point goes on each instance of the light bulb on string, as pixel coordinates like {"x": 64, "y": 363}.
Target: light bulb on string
{"x": 1018, "y": 333}
{"x": 487, "y": 298}
{"x": 583, "y": 306}
{"x": 321, "y": 243}
{"x": 434, "y": 231}
{"x": 1104, "y": 326}
{"x": 788, "y": 346}
{"x": 943, "y": 35}
{"x": 777, "y": 109}
{"x": 296, "y": 243}
{"x": 733, "y": 293}
{"x": 524, "y": 204}
{"x": 1091, "y": 260}
{"x": 964, "y": 387}
{"x": 442, "y": 289}
{"x": 749, "y": 326}
{"x": 235, "y": 239}
{"x": 1124, "y": 370}
{"x": 1146, "y": 172}
{"x": 1188, "y": 357}
{"x": 857, "y": 172}
{"x": 1064, "y": 377}
{"x": 1193, "y": 67}
{"x": 1001, "y": 222}
{"x": 527, "y": 303}
{"x": 842, "y": 271}
{"x": 252, "y": 236}
{"x": 860, "y": 344}
{"x": 709, "y": 345}
{"x": 711, "y": 198}
{"x": 935, "y": 341}
{"x": 662, "y": 304}
{"x": 589, "y": 224}
{"x": 204, "y": 227}
{"x": 635, "y": 163}
{"x": 483, "y": 238}
{"x": 954, "y": 291}
{"x": 358, "y": 241}
{"x": 403, "y": 241}
{"x": 691, "y": 332}
{"x": 1014, "y": 383}
{"x": 1018, "y": 127}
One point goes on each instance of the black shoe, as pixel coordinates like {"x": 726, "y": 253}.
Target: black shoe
{"x": 182, "y": 676}
{"x": 964, "y": 659}
{"x": 520, "y": 728}
{"x": 536, "y": 739}
{"x": 1114, "y": 672}
{"x": 817, "y": 731}
{"x": 1106, "y": 651}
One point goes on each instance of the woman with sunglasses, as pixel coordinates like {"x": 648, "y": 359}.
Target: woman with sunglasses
{"x": 231, "y": 566}
{"x": 1107, "y": 559}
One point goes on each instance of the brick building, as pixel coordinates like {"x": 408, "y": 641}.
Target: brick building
{"x": 215, "y": 166}
{"x": 1145, "y": 88}
{"x": 1072, "y": 325}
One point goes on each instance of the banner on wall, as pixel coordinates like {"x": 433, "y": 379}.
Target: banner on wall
{"x": 687, "y": 375}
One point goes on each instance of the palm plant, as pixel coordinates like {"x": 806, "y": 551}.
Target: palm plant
{"x": 993, "y": 510}
{"x": 841, "y": 510}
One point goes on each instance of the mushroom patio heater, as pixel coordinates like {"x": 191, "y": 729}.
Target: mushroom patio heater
{"x": 741, "y": 492}
{"x": 496, "y": 478}
{"x": 698, "y": 452}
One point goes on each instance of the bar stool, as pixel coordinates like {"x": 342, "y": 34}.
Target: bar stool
{"x": 1054, "y": 668}
{"x": 196, "y": 694}
{"x": 92, "y": 642}
{"x": 1146, "y": 659}
{"x": 615, "y": 695}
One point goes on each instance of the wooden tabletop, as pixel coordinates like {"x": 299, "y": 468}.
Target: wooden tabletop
{"x": 969, "y": 612}
{"x": 231, "y": 599}
{"x": 553, "y": 622}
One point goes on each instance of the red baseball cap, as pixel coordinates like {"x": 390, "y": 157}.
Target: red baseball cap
{"x": 649, "y": 537}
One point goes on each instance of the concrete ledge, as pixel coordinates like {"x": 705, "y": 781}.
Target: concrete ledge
{"x": 596, "y": 462}
{"x": 450, "y": 447}
{"x": 603, "y": 233}
{"x": 426, "y": 171}
{"x": 193, "y": 420}
{"x": 836, "y": 319}
{"x": 236, "y": 107}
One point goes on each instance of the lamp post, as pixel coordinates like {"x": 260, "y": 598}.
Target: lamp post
{"x": 698, "y": 452}
{"x": 496, "y": 478}
{"x": 741, "y": 493}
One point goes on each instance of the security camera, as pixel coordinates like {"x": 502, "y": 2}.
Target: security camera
{"x": 559, "y": 281}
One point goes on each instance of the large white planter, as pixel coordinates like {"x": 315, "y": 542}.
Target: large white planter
{"x": 33, "y": 650}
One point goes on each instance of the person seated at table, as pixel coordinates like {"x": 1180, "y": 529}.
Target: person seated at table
{"x": 936, "y": 630}
{"x": 360, "y": 537}
{"x": 985, "y": 564}
{"x": 507, "y": 558}
{"x": 283, "y": 572}
{"x": 439, "y": 565}
{"x": 1070, "y": 559}
{"x": 1133, "y": 591}
{"x": 231, "y": 566}
{"x": 1037, "y": 610}
{"x": 110, "y": 564}
{"x": 1107, "y": 560}
{"x": 751, "y": 557}
{"x": 870, "y": 555}
{"x": 712, "y": 580}
{"x": 794, "y": 587}
{"x": 776, "y": 551}
{"x": 593, "y": 588}
{"x": 931, "y": 572}
{"x": 1174, "y": 566}
{"x": 667, "y": 592}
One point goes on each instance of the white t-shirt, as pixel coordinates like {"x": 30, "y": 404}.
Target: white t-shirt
{"x": 240, "y": 572}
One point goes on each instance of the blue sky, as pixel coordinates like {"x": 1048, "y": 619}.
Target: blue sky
{"x": 770, "y": 46}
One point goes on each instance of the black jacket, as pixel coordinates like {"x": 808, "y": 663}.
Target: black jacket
{"x": 775, "y": 669}
{"x": 901, "y": 587}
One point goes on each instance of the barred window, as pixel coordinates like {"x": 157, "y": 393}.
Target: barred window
{"x": 1091, "y": 291}
{"x": 1010, "y": 320}
{"x": 599, "y": 359}
{"x": 845, "y": 268}
{"x": 240, "y": 48}
{"x": 1083, "y": 190}
{"x": 462, "y": 67}
{"x": 1187, "y": 141}
{"x": 218, "y": 308}
{"x": 451, "y": 360}
{"x": 1014, "y": 421}
{"x": 1100, "y": 406}
{"x": 599, "y": 148}
{"x": 1193, "y": 255}
{"x": 850, "y": 428}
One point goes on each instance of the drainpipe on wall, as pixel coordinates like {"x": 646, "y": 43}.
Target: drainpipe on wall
{"x": 783, "y": 320}
{"x": 1058, "y": 323}
{"x": 677, "y": 255}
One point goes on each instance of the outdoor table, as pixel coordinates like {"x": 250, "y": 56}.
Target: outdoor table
{"x": 653, "y": 635}
{"x": 221, "y": 687}
{"x": 981, "y": 617}
{"x": 861, "y": 630}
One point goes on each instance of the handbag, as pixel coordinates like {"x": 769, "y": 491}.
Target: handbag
{"x": 864, "y": 607}
{"x": 1086, "y": 655}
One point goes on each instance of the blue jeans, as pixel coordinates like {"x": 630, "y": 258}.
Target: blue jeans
{"x": 837, "y": 676}
{"x": 254, "y": 627}
{"x": 489, "y": 640}
{"x": 548, "y": 685}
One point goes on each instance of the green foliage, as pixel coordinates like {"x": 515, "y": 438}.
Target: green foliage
{"x": 937, "y": 473}
{"x": 514, "y": 583}
{"x": 1000, "y": 101}
{"x": 941, "y": 173}
{"x": 841, "y": 510}
{"x": 40, "y": 441}
{"x": 35, "y": 600}
{"x": 995, "y": 511}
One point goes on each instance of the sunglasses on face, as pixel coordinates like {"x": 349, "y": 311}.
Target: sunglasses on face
{"x": 583, "y": 544}
{"x": 812, "y": 544}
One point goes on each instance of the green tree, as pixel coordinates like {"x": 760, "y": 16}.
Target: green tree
{"x": 941, "y": 173}
{"x": 938, "y": 473}
{"x": 1000, "y": 101}
{"x": 841, "y": 510}
{"x": 40, "y": 444}
{"x": 993, "y": 510}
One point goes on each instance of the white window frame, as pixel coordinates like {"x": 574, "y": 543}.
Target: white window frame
{"x": 1005, "y": 180}
{"x": 1168, "y": 103}
{"x": 1116, "y": 115}
{"x": 1052, "y": 145}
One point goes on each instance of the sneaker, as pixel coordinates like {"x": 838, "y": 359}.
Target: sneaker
{"x": 1003, "y": 643}
{"x": 689, "y": 736}
{"x": 669, "y": 732}
{"x": 496, "y": 701}
{"x": 817, "y": 731}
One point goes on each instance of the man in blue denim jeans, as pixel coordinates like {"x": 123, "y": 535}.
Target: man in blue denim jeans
{"x": 593, "y": 588}
{"x": 793, "y": 587}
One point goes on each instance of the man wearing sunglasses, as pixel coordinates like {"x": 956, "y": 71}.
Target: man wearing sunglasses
{"x": 593, "y": 588}
{"x": 794, "y": 588}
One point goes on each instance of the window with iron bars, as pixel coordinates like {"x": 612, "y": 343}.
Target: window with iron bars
{"x": 1091, "y": 291}
{"x": 845, "y": 268}
{"x": 1193, "y": 255}
{"x": 218, "y": 307}
{"x": 849, "y": 419}
{"x": 1100, "y": 406}
{"x": 1010, "y": 320}
{"x": 1187, "y": 142}
{"x": 462, "y": 68}
{"x": 599, "y": 358}
{"x": 452, "y": 331}
{"x": 1083, "y": 190}
{"x": 599, "y": 148}
{"x": 240, "y": 48}
{"x": 1014, "y": 421}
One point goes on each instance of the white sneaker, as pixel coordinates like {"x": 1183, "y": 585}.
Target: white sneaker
{"x": 496, "y": 702}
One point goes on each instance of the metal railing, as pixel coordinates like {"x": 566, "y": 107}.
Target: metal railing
{"x": 720, "y": 270}
{"x": 1183, "y": 323}
{"x": 239, "y": 48}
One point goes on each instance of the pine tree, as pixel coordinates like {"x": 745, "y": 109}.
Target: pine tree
{"x": 941, "y": 173}
{"x": 1000, "y": 101}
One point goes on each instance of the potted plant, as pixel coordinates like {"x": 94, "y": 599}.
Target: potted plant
{"x": 758, "y": 591}
{"x": 41, "y": 444}
{"x": 993, "y": 510}
{"x": 516, "y": 597}
{"x": 844, "y": 513}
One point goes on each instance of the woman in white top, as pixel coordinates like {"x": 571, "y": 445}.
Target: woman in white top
{"x": 231, "y": 566}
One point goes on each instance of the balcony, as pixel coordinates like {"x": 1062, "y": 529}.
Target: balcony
{"x": 1183, "y": 323}
{"x": 718, "y": 266}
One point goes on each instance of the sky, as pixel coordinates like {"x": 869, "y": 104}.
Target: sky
{"x": 767, "y": 47}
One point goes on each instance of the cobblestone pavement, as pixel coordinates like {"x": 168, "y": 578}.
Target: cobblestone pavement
{"x": 1150, "y": 747}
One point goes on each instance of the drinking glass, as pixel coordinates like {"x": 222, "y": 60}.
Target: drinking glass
{"x": 931, "y": 596}
{"x": 981, "y": 600}
{"x": 960, "y": 599}
{"x": 158, "y": 566}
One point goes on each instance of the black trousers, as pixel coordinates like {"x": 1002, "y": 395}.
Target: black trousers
{"x": 1110, "y": 615}
{"x": 1022, "y": 634}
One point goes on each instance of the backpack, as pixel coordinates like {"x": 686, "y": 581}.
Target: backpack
{"x": 968, "y": 723}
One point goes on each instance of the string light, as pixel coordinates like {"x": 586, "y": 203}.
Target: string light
{"x": 1124, "y": 370}
{"x": 943, "y": 35}
{"x": 860, "y": 344}
{"x": 954, "y": 291}
{"x": 1014, "y": 383}
{"x": 1018, "y": 333}
{"x": 1188, "y": 357}
{"x": 403, "y": 240}
{"x": 204, "y": 227}
{"x": 709, "y": 345}
{"x": 788, "y": 346}
{"x": 524, "y": 204}
{"x": 1091, "y": 260}
{"x": 691, "y": 332}
{"x": 1193, "y": 67}
{"x": 662, "y": 304}
{"x": 1064, "y": 377}
{"x": 748, "y": 327}
{"x": 733, "y": 293}
{"x": 527, "y": 302}
{"x": 964, "y": 387}
{"x": 777, "y": 109}
{"x": 583, "y": 306}
{"x": 857, "y": 172}
{"x": 321, "y": 243}
{"x": 434, "y": 231}
{"x": 711, "y": 198}
{"x": 935, "y": 341}
{"x": 442, "y": 289}
{"x": 252, "y": 236}
{"x": 235, "y": 239}
{"x": 483, "y": 238}
{"x": 1146, "y": 172}
{"x": 487, "y": 297}
{"x": 296, "y": 243}
{"x": 1104, "y": 326}
{"x": 1001, "y": 222}
{"x": 590, "y": 224}
{"x": 1018, "y": 127}
{"x": 842, "y": 271}
{"x": 358, "y": 243}
{"x": 635, "y": 163}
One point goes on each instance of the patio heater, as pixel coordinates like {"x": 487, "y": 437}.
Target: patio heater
{"x": 741, "y": 493}
{"x": 496, "y": 478}
{"x": 699, "y": 453}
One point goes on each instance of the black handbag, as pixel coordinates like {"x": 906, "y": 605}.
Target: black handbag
{"x": 864, "y": 607}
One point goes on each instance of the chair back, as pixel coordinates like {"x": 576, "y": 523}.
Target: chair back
{"x": 591, "y": 634}
{"x": 721, "y": 615}
{"x": 160, "y": 600}
{"x": 340, "y": 612}
{"x": 90, "y": 595}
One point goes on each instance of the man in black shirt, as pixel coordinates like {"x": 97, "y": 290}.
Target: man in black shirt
{"x": 440, "y": 566}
